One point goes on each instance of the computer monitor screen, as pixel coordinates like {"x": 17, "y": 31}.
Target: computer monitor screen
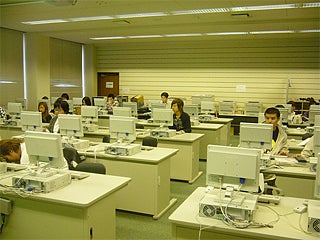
{"x": 207, "y": 107}
{"x": 31, "y": 121}
{"x": 153, "y": 101}
{"x": 70, "y": 125}
{"x": 256, "y": 135}
{"x": 227, "y": 107}
{"x": 164, "y": 117}
{"x": 133, "y": 106}
{"x": 23, "y": 101}
{"x": 122, "y": 111}
{"x": 317, "y": 120}
{"x": 252, "y": 108}
{"x": 157, "y": 105}
{"x": 312, "y": 115}
{"x": 316, "y": 141}
{"x": 77, "y": 101}
{"x": 89, "y": 114}
{"x": 233, "y": 167}
{"x": 14, "y": 108}
{"x": 192, "y": 110}
{"x": 100, "y": 102}
{"x": 197, "y": 99}
{"x": 44, "y": 147}
{"x": 123, "y": 128}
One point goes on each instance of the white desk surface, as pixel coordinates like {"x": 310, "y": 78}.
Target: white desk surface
{"x": 81, "y": 193}
{"x": 153, "y": 156}
{"x": 296, "y": 131}
{"x": 209, "y": 126}
{"x": 220, "y": 120}
{"x": 296, "y": 171}
{"x": 293, "y": 144}
{"x": 186, "y": 215}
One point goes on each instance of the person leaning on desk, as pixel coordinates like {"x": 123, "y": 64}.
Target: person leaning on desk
{"x": 14, "y": 151}
{"x": 181, "y": 119}
{"x": 60, "y": 107}
{"x": 308, "y": 150}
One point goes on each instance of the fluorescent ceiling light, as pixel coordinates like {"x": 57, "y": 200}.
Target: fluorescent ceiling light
{"x": 182, "y": 12}
{"x": 6, "y": 82}
{"x": 226, "y": 33}
{"x": 65, "y": 85}
{"x": 206, "y": 34}
{"x": 183, "y": 35}
{"x": 49, "y": 21}
{"x": 107, "y": 38}
{"x": 138, "y": 15}
{"x": 94, "y": 18}
{"x": 272, "y": 32}
{"x": 145, "y": 36}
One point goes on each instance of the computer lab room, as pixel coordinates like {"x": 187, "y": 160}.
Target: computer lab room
{"x": 159, "y": 119}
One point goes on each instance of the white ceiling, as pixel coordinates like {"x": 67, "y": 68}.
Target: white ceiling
{"x": 14, "y": 12}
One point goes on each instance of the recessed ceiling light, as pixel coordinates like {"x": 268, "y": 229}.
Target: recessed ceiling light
{"x": 49, "y": 21}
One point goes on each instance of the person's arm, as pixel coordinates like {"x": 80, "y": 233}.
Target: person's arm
{"x": 308, "y": 149}
{"x": 186, "y": 123}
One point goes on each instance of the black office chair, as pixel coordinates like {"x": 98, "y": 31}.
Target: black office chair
{"x": 106, "y": 139}
{"x": 72, "y": 156}
{"x": 139, "y": 126}
{"x": 150, "y": 141}
{"x": 91, "y": 167}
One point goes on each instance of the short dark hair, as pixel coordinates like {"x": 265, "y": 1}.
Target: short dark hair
{"x": 165, "y": 94}
{"x": 272, "y": 110}
{"x": 60, "y": 103}
{"x": 65, "y": 95}
{"x": 87, "y": 101}
{"x": 111, "y": 95}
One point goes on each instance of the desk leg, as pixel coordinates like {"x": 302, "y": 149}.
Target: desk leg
{"x": 171, "y": 203}
{"x": 195, "y": 178}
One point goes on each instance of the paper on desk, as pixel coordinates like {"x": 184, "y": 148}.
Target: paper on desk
{"x": 304, "y": 142}
{"x": 286, "y": 161}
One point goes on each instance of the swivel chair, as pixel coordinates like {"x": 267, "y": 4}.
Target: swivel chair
{"x": 150, "y": 141}
{"x": 91, "y": 167}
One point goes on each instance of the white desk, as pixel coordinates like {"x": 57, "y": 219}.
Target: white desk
{"x": 293, "y": 146}
{"x": 85, "y": 209}
{"x": 185, "y": 164}
{"x": 7, "y": 132}
{"x": 149, "y": 190}
{"x": 225, "y": 131}
{"x": 295, "y": 181}
{"x": 295, "y": 133}
{"x": 186, "y": 222}
{"x": 212, "y": 134}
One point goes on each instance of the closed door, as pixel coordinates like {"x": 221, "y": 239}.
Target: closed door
{"x": 108, "y": 83}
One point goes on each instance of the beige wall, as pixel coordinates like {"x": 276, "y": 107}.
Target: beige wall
{"x": 221, "y": 67}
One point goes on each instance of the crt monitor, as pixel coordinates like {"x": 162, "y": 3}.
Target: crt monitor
{"x": 123, "y": 128}
{"x": 233, "y": 167}
{"x": 31, "y": 121}
{"x": 198, "y": 98}
{"x": 99, "y": 102}
{"x": 122, "y": 111}
{"x": 317, "y": 182}
{"x": 316, "y": 141}
{"x": 14, "y": 108}
{"x": 89, "y": 114}
{"x": 164, "y": 117}
{"x": 207, "y": 107}
{"x": 312, "y": 115}
{"x": 256, "y": 135}
{"x": 77, "y": 101}
{"x": 70, "y": 125}
{"x": 284, "y": 114}
{"x": 23, "y": 101}
{"x": 252, "y": 108}
{"x": 44, "y": 147}
{"x": 227, "y": 107}
{"x": 133, "y": 106}
{"x": 192, "y": 110}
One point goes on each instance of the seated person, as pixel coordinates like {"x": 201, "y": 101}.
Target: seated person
{"x": 111, "y": 103}
{"x": 279, "y": 136}
{"x": 60, "y": 107}
{"x": 43, "y": 108}
{"x": 181, "y": 119}
{"x": 307, "y": 151}
{"x": 14, "y": 151}
{"x": 65, "y": 96}
{"x": 86, "y": 101}
{"x": 3, "y": 113}
{"x": 165, "y": 100}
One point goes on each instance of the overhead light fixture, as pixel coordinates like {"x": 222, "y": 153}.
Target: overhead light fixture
{"x": 65, "y": 85}
{"x": 49, "y": 21}
{"x": 6, "y": 82}
{"x": 206, "y": 34}
{"x": 180, "y": 12}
